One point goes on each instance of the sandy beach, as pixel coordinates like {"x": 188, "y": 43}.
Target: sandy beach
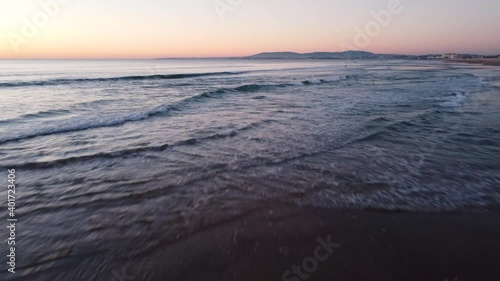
{"x": 282, "y": 242}
{"x": 273, "y": 242}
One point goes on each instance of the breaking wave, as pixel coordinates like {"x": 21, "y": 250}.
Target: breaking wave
{"x": 113, "y": 79}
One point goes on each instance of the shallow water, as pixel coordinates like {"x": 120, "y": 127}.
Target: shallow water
{"x": 104, "y": 148}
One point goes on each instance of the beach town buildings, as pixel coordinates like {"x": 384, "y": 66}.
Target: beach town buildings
{"x": 464, "y": 56}
{"x": 450, "y": 56}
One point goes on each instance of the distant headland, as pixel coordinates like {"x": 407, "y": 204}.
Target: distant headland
{"x": 359, "y": 55}
{"x": 327, "y": 55}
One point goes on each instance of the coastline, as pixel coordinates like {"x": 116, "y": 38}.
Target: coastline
{"x": 489, "y": 62}
{"x": 270, "y": 240}
{"x": 273, "y": 241}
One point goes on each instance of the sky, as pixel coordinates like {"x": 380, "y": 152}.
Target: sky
{"x": 220, "y": 28}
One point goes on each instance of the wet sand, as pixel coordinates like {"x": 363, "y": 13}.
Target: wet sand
{"x": 263, "y": 242}
{"x": 492, "y": 62}
{"x": 268, "y": 241}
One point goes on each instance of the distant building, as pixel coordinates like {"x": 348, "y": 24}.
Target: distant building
{"x": 450, "y": 56}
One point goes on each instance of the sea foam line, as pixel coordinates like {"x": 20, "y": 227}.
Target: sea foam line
{"x": 113, "y": 79}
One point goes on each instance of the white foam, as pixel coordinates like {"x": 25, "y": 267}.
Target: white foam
{"x": 456, "y": 100}
{"x": 79, "y": 123}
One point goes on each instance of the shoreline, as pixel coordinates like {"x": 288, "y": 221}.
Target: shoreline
{"x": 272, "y": 242}
{"x": 489, "y": 62}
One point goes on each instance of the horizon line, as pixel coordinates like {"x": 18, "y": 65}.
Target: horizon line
{"x": 239, "y": 57}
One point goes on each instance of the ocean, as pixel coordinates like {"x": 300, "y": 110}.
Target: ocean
{"x": 138, "y": 151}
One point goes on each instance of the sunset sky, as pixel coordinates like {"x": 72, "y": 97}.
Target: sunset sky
{"x": 214, "y": 28}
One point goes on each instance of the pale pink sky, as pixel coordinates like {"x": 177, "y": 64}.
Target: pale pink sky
{"x": 208, "y": 28}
